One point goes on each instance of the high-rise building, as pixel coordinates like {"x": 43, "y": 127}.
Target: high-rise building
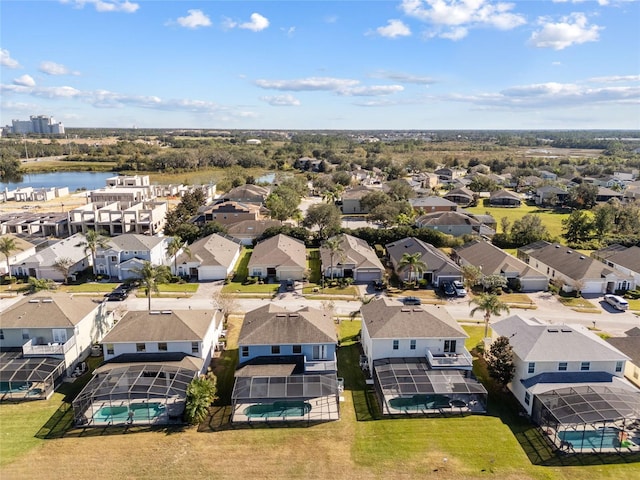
{"x": 37, "y": 124}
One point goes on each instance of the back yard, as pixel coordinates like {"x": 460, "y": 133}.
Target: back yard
{"x": 501, "y": 445}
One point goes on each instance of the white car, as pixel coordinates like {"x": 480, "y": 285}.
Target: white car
{"x": 616, "y": 302}
{"x": 460, "y": 290}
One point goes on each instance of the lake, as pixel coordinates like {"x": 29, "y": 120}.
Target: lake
{"x": 73, "y": 180}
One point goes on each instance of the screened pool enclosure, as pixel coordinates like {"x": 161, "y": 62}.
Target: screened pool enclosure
{"x": 28, "y": 378}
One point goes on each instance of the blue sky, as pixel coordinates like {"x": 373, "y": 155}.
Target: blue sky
{"x": 402, "y": 64}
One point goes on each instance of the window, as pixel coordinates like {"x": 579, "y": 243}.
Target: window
{"x": 412, "y": 345}
{"x": 257, "y": 272}
{"x": 1, "y": 334}
{"x": 114, "y": 259}
{"x": 140, "y": 347}
{"x": 195, "y": 347}
{"x": 619, "y": 366}
{"x": 562, "y": 366}
{"x": 245, "y": 351}
{"x": 275, "y": 349}
{"x": 396, "y": 344}
{"x": 110, "y": 349}
{"x": 450, "y": 346}
{"x": 162, "y": 346}
{"x": 527, "y": 398}
{"x": 585, "y": 366}
{"x": 297, "y": 349}
{"x": 25, "y": 334}
{"x": 532, "y": 367}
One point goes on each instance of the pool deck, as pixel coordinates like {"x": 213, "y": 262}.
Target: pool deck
{"x": 473, "y": 406}
{"x": 161, "y": 419}
{"x": 568, "y": 447}
{"x": 322, "y": 409}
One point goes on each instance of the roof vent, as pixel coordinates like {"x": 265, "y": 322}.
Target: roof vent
{"x": 417, "y": 309}
{"x": 154, "y": 312}
{"x": 293, "y": 315}
{"x": 566, "y": 330}
{"x": 581, "y": 257}
{"x": 281, "y": 314}
{"x": 552, "y": 330}
{"x": 557, "y": 246}
{"x": 34, "y": 301}
{"x": 166, "y": 312}
{"x": 47, "y": 300}
{"x": 569, "y": 251}
{"x": 405, "y": 309}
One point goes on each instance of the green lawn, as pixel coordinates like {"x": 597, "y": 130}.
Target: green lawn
{"x": 579, "y": 304}
{"x": 97, "y": 287}
{"x": 634, "y": 304}
{"x": 178, "y": 287}
{"x": 241, "y": 272}
{"x": 550, "y": 219}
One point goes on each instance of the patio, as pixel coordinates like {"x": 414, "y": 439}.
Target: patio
{"x": 28, "y": 378}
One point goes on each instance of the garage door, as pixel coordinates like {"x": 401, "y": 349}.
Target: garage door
{"x": 365, "y": 276}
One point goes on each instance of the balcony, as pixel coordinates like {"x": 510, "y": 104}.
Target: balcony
{"x": 30, "y": 349}
{"x": 461, "y": 360}
{"x": 317, "y": 366}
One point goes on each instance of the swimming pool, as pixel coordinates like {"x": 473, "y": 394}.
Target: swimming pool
{"x": 278, "y": 409}
{"x": 14, "y": 387}
{"x": 420, "y": 402}
{"x": 141, "y": 411}
{"x": 592, "y": 439}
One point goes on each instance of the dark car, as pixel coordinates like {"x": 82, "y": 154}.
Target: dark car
{"x": 412, "y": 301}
{"x": 448, "y": 289}
{"x": 290, "y": 285}
{"x": 378, "y": 285}
{"x": 117, "y": 296}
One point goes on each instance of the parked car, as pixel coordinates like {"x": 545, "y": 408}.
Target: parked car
{"x": 117, "y": 296}
{"x": 290, "y": 285}
{"x": 412, "y": 301}
{"x": 378, "y": 285}
{"x": 448, "y": 289}
{"x": 616, "y": 302}
{"x": 459, "y": 287}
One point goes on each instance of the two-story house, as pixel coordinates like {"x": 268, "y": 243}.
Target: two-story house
{"x": 570, "y": 381}
{"x": 127, "y": 253}
{"x": 287, "y": 366}
{"x": 418, "y": 359}
{"x": 54, "y": 326}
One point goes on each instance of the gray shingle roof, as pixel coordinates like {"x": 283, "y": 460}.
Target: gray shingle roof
{"x": 164, "y": 326}
{"x": 47, "y": 310}
{"x": 384, "y": 319}
{"x": 629, "y": 346}
{"x": 436, "y": 261}
{"x": 493, "y": 260}
{"x": 445, "y": 218}
{"x": 66, "y": 248}
{"x": 431, "y": 201}
{"x": 273, "y": 325}
{"x": 534, "y": 341}
{"x": 355, "y": 251}
{"x": 132, "y": 242}
{"x": 625, "y": 257}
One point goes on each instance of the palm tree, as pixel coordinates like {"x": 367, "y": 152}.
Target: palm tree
{"x": 173, "y": 248}
{"x": 93, "y": 240}
{"x": 490, "y": 304}
{"x": 201, "y": 393}
{"x": 151, "y": 276}
{"x": 334, "y": 245}
{"x": 63, "y": 265}
{"x": 414, "y": 263}
{"x": 8, "y": 245}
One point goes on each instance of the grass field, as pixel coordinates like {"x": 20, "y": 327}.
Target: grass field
{"x": 498, "y": 445}
{"x": 550, "y": 219}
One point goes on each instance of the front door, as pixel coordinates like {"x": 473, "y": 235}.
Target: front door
{"x": 59, "y": 335}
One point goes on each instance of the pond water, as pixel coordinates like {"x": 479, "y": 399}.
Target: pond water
{"x": 73, "y": 180}
{"x": 266, "y": 178}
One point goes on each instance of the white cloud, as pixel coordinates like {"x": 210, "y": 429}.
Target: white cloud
{"x": 404, "y": 77}
{"x": 194, "y": 19}
{"x": 571, "y": 30}
{"x": 25, "y": 80}
{"x": 308, "y": 84}
{"x": 281, "y": 100}
{"x": 464, "y": 14}
{"x": 106, "y": 5}
{"x": 552, "y": 94}
{"x": 108, "y": 99}
{"x": 7, "y": 61}
{"x": 256, "y": 24}
{"x": 289, "y": 32}
{"x": 615, "y": 79}
{"x": 53, "y": 68}
{"x": 372, "y": 91}
{"x": 394, "y": 29}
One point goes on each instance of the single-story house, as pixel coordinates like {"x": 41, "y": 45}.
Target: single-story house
{"x": 630, "y": 346}
{"x": 551, "y": 195}
{"x": 504, "y": 198}
{"x": 491, "y": 260}
{"x": 210, "y": 258}
{"x": 248, "y": 230}
{"x": 280, "y": 257}
{"x": 451, "y": 223}
{"x": 623, "y": 259}
{"x": 440, "y": 268}
{"x": 351, "y": 200}
{"x": 24, "y": 250}
{"x": 433, "y": 204}
{"x": 574, "y": 270}
{"x": 355, "y": 259}
{"x": 460, "y": 196}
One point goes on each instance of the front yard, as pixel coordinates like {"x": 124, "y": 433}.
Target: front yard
{"x": 579, "y": 304}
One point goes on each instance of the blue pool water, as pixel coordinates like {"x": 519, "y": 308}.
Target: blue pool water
{"x": 141, "y": 411}
{"x": 602, "y": 438}
{"x": 14, "y": 387}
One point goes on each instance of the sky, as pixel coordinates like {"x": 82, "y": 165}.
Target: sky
{"x": 357, "y": 65}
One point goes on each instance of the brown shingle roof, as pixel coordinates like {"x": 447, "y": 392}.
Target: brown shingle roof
{"x": 273, "y": 325}
{"x": 279, "y": 251}
{"x": 214, "y": 250}
{"x": 47, "y": 310}
{"x": 384, "y": 319}
{"x": 164, "y": 326}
